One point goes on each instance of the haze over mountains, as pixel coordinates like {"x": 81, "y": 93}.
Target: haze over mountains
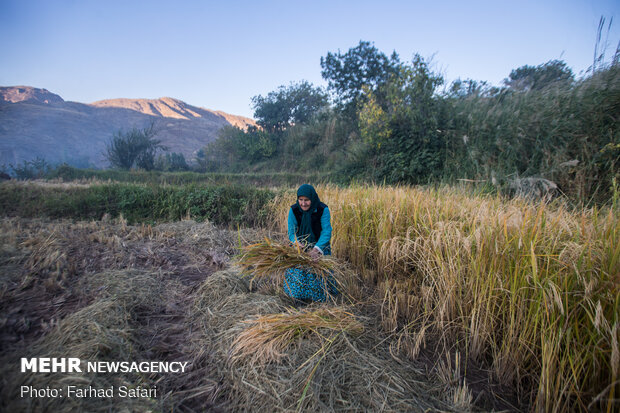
{"x": 37, "y": 123}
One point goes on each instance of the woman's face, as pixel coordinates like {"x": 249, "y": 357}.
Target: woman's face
{"x": 304, "y": 203}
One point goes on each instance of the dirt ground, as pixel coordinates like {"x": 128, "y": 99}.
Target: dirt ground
{"x": 106, "y": 290}
{"x": 49, "y": 271}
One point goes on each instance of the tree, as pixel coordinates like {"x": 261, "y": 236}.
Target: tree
{"x": 362, "y": 66}
{"x": 469, "y": 88}
{"x": 136, "y": 147}
{"x": 538, "y": 77}
{"x": 171, "y": 162}
{"x": 402, "y": 129}
{"x": 288, "y": 105}
{"x": 34, "y": 169}
{"x": 234, "y": 146}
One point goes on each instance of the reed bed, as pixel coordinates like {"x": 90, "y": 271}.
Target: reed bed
{"x": 529, "y": 291}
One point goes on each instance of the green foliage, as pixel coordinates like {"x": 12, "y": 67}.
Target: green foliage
{"x": 403, "y": 129}
{"x": 538, "y": 77}
{"x": 467, "y": 88}
{"x": 567, "y": 133}
{"x": 171, "y": 162}
{"x": 293, "y": 104}
{"x": 392, "y": 124}
{"x": 201, "y": 161}
{"x": 225, "y": 205}
{"x": 136, "y": 147}
{"x": 235, "y": 145}
{"x": 257, "y": 179}
{"x": 34, "y": 169}
{"x": 361, "y": 66}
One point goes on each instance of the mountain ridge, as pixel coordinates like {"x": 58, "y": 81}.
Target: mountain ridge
{"x": 35, "y": 122}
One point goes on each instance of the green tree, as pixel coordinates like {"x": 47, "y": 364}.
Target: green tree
{"x": 171, "y": 162}
{"x": 235, "y": 147}
{"x": 403, "y": 129}
{"x": 361, "y": 66}
{"x": 467, "y": 88}
{"x": 293, "y": 104}
{"x": 34, "y": 169}
{"x": 538, "y": 77}
{"x": 136, "y": 147}
{"x": 201, "y": 161}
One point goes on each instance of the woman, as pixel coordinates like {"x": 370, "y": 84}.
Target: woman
{"x": 309, "y": 227}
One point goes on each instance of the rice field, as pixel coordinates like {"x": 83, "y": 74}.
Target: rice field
{"x": 452, "y": 302}
{"x": 527, "y": 291}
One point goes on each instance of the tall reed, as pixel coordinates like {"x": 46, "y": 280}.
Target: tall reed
{"x": 529, "y": 290}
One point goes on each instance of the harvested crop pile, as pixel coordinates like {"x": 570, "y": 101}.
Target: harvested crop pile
{"x": 41, "y": 263}
{"x": 321, "y": 360}
{"x": 267, "y": 337}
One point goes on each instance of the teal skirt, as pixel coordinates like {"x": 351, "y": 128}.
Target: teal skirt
{"x": 304, "y": 285}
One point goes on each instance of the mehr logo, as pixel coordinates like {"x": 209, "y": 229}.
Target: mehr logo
{"x": 51, "y": 365}
{"x": 72, "y": 364}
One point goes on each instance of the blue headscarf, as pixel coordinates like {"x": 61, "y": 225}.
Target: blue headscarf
{"x": 304, "y": 232}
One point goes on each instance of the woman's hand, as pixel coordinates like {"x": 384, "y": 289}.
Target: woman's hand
{"x": 315, "y": 254}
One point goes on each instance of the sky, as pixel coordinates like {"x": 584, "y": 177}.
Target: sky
{"x": 219, "y": 54}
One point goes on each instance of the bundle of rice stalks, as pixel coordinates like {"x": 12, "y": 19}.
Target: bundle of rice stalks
{"x": 268, "y": 336}
{"x": 264, "y": 259}
{"x": 268, "y": 261}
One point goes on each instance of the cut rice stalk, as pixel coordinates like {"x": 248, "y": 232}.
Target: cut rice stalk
{"x": 269, "y": 260}
{"x": 267, "y": 337}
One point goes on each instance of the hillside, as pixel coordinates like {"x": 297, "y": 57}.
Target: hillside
{"x": 37, "y": 123}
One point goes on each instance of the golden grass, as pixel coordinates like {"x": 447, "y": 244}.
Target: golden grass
{"x": 531, "y": 291}
{"x": 106, "y": 291}
{"x": 267, "y": 337}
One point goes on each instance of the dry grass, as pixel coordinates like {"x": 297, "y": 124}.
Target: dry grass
{"x": 66, "y": 291}
{"x": 102, "y": 330}
{"x": 218, "y": 287}
{"x": 527, "y": 293}
{"x": 310, "y": 360}
{"x": 268, "y": 261}
{"x": 266, "y": 338}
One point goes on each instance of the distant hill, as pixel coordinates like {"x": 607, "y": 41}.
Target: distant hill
{"x": 37, "y": 123}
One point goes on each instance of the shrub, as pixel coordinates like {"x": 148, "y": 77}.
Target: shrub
{"x": 135, "y": 147}
{"x": 34, "y": 169}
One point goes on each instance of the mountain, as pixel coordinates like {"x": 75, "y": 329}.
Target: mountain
{"x": 37, "y": 123}
{"x": 28, "y": 94}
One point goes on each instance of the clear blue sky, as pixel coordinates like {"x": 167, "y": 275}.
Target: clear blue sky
{"x": 218, "y": 54}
